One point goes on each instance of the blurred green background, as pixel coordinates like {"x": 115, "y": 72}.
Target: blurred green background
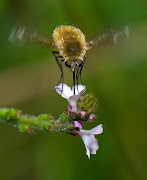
{"x": 115, "y": 74}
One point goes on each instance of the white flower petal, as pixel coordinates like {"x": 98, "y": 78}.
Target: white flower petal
{"x": 96, "y": 130}
{"x": 88, "y": 139}
{"x": 60, "y": 86}
{"x": 72, "y": 100}
{"x": 90, "y": 142}
{"x": 64, "y": 90}
{"x": 79, "y": 89}
{"x": 87, "y": 152}
{"x": 67, "y": 90}
{"x": 95, "y": 147}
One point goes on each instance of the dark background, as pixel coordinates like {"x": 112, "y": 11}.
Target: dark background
{"x": 115, "y": 74}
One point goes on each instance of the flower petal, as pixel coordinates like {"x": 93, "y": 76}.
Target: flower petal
{"x": 91, "y": 116}
{"x": 95, "y": 147}
{"x": 68, "y": 109}
{"x": 87, "y": 152}
{"x": 79, "y": 89}
{"x": 74, "y": 108}
{"x": 88, "y": 139}
{"x": 90, "y": 142}
{"x": 96, "y": 130}
{"x": 83, "y": 113}
{"x": 64, "y": 90}
{"x": 77, "y": 124}
{"x": 72, "y": 100}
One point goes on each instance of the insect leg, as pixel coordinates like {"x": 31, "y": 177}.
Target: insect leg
{"x": 60, "y": 66}
{"x": 62, "y": 75}
{"x": 57, "y": 54}
{"x": 80, "y": 71}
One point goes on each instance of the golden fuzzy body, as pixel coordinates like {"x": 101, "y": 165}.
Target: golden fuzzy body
{"x": 70, "y": 42}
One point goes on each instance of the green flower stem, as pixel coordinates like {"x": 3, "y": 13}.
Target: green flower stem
{"x": 28, "y": 123}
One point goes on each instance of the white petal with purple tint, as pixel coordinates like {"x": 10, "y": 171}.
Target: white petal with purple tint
{"x": 64, "y": 90}
{"x": 91, "y": 143}
{"x": 79, "y": 89}
{"x": 96, "y": 130}
{"x": 72, "y": 100}
{"x": 68, "y": 93}
{"x": 77, "y": 124}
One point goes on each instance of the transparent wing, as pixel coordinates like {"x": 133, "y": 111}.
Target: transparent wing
{"x": 110, "y": 36}
{"x": 21, "y": 35}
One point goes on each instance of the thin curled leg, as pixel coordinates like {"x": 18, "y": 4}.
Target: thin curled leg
{"x": 57, "y": 56}
{"x": 80, "y": 71}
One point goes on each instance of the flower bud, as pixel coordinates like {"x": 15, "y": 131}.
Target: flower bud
{"x": 87, "y": 103}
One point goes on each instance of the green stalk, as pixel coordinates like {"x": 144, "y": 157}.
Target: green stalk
{"x": 28, "y": 123}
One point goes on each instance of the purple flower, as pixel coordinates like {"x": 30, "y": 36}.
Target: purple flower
{"x": 91, "y": 143}
{"x": 91, "y": 117}
{"x": 77, "y": 124}
{"x": 83, "y": 113}
{"x": 68, "y": 93}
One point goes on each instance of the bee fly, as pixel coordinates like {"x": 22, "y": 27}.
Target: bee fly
{"x": 70, "y": 45}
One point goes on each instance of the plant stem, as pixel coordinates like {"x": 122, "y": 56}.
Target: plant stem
{"x": 28, "y": 123}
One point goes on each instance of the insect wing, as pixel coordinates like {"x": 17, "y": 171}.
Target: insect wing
{"x": 21, "y": 35}
{"x": 111, "y": 36}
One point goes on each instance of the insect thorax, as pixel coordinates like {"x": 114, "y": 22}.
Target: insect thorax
{"x": 70, "y": 42}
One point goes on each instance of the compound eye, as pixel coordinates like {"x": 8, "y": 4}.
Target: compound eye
{"x": 79, "y": 62}
{"x": 68, "y": 63}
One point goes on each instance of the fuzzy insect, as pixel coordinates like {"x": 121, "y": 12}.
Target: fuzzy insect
{"x": 70, "y": 44}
